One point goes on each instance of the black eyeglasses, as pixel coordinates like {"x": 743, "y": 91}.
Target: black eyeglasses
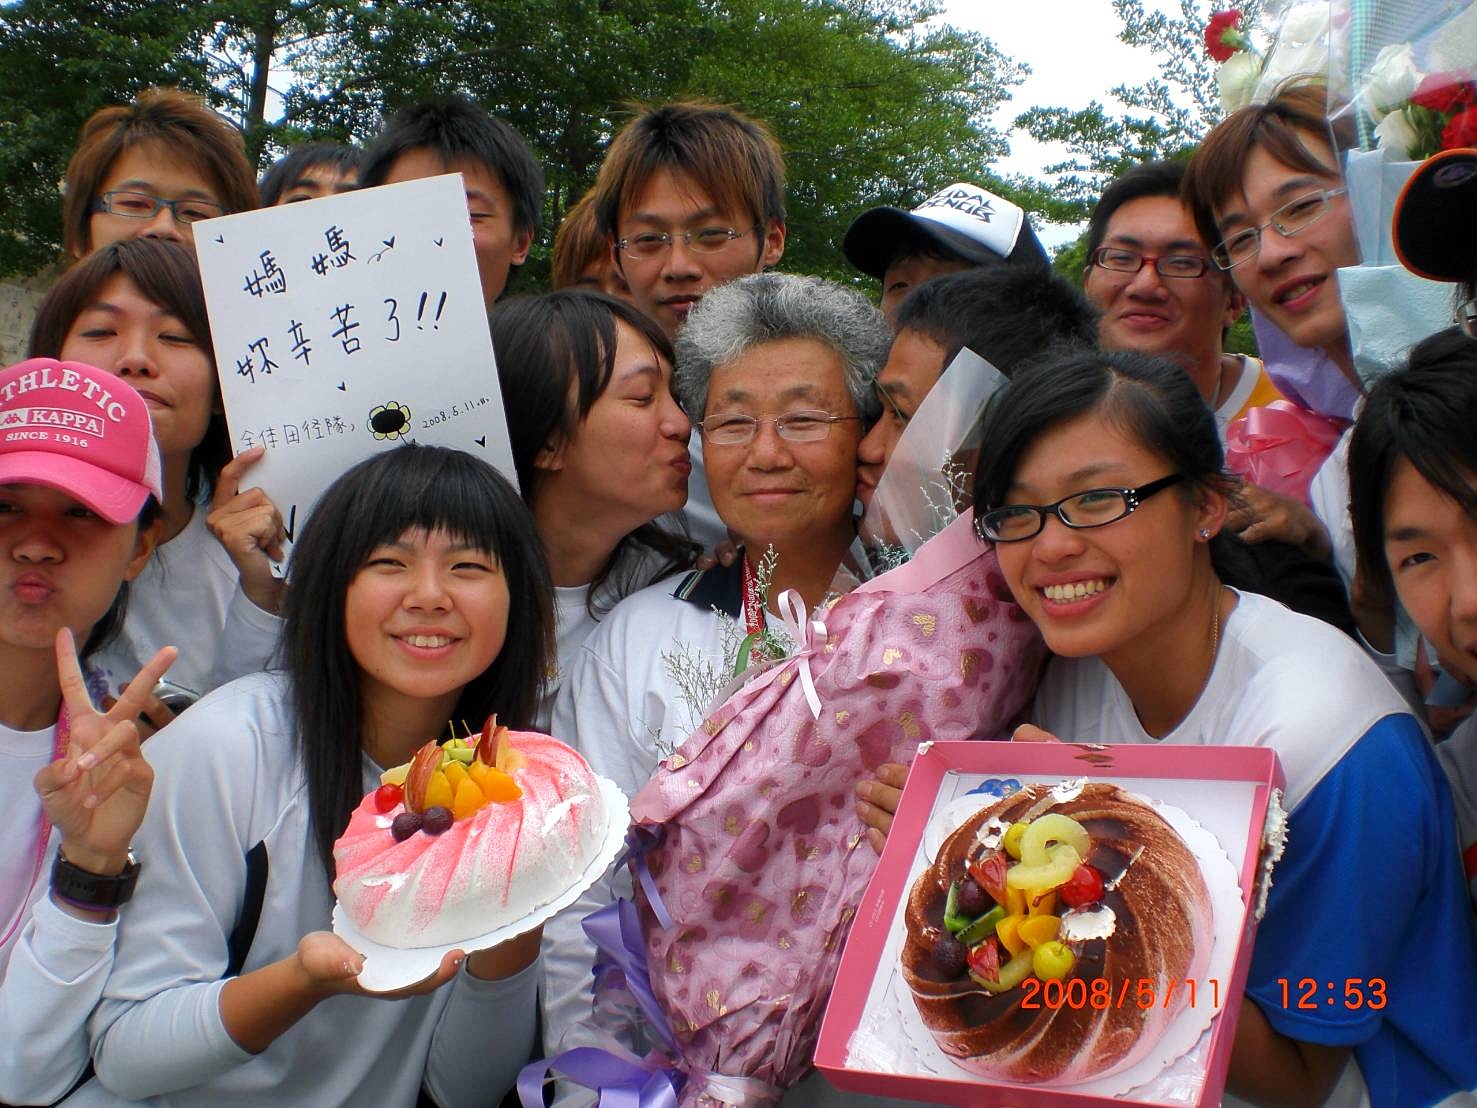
{"x": 141, "y": 205}
{"x": 704, "y": 240}
{"x": 1466, "y": 317}
{"x": 1294, "y": 216}
{"x": 1081, "y": 510}
{"x": 1119, "y": 260}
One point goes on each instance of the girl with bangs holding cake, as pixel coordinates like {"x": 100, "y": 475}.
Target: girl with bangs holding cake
{"x": 1104, "y": 495}
{"x": 420, "y": 597}
{"x": 136, "y": 310}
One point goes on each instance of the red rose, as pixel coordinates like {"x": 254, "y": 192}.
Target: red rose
{"x": 1460, "y": 130}
{"x": 1443, "y": 92}
{"x": 1223, "y": 35}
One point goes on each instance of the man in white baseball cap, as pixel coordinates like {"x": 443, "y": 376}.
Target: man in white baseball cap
{"x": 957, "y": 228}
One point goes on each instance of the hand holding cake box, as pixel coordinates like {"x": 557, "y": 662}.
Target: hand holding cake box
{"x": 472, "y": 836}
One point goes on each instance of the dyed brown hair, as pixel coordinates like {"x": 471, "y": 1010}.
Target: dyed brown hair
{"x": 736, "y": 160}
{"x": 578, "y": 243}
{"x": 180, "y": 121}
{"x": 1217, "y": 169}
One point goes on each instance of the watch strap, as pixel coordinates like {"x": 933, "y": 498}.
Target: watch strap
{"x": 81, "y": 889}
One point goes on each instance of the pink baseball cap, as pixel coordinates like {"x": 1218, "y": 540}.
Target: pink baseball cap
{"x": 71, "y": 427}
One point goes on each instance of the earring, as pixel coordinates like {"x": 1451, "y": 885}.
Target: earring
{"x": 1204, "y": 533}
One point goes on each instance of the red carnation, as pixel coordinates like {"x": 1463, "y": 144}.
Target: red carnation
{"x": 1223, "y": 35}
{"x": 1460, "y": 130}
{"x": 1443, "y": 92}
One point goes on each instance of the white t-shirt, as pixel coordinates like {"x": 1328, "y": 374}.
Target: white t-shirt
{"x": 1458, "y": 757}
{"x": 1280, "y": 680}
{"x": 227, "y": 777}
{"x": 188, "y": 596}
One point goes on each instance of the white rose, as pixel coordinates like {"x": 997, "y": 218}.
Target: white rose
{"x": 1237, "y": 78}
{"x": 1396, "y": 135}
{"x": 1392, "y": 79}
{"x": 1300, "y": 49}
{"x": 1304, "y": 23}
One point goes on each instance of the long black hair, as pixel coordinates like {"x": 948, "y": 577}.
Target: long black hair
{"x": 409, "y": 488}
{"x": 1425, "y": 414}
{"x": 555, "y": 357}
{"x": 1152, "y": 401}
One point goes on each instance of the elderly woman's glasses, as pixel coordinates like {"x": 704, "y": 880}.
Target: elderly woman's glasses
{"x": 1466, "y": 317}
{"x": 1294, "y": 216}
{"x": 1093, "y": 508}
{"x": 802, "y": 426}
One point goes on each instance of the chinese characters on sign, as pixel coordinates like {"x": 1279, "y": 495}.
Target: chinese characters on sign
{"x": 349, "y": 325}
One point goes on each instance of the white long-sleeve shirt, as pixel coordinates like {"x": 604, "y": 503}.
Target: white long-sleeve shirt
{"x": 53, "y": 968}
{"x": 227, "y": 778}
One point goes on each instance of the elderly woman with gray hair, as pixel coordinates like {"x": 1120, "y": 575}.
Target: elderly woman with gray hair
{"x": 776, "y": 371}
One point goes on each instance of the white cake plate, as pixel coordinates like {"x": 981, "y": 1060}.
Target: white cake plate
{"x": 387, "y": 968}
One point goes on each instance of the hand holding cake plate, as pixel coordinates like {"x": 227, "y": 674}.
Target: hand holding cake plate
{"x": 470, "y": 844}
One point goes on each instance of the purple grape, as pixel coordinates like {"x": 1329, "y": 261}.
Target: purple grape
{"x": 972, "y": 900}
{"x": 405, "y": 825}
{"x": 950, "y": 956}
{"x": 436, "y": 820}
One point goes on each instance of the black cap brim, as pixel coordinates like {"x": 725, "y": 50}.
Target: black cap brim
{"x": 1435, "y": 224}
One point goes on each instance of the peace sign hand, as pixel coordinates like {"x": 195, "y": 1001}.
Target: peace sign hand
{"x": 95, "y": 794}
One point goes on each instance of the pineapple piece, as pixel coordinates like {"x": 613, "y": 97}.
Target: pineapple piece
{"x": 395, "y": 775}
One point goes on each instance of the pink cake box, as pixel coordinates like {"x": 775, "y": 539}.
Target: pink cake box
{"x": 1226, "y": 790}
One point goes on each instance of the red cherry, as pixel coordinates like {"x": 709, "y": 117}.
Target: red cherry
{"x": 1085, "y": 886}
{"x": 387, "y": 796}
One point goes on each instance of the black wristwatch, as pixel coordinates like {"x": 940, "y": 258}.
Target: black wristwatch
{"x": 75, "y": 886}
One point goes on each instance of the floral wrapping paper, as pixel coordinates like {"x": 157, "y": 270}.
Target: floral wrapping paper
{"x": 761, "y": 860}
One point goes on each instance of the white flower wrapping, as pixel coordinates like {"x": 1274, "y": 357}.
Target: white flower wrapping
{"x": 1392, "y": 79}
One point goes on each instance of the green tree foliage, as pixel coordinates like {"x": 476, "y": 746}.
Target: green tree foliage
{"x": 875, "y": 101}
{"x": 1164, "y": 117}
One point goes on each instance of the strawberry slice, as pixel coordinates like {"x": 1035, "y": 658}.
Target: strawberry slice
{"x": 984, "y": 959}
{"x": 989, "y": 872}
{"x": 426, "y": 762}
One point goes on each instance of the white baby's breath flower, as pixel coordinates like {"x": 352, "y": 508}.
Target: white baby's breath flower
{"x": 1392, "y": 79}
{"x": 1396, "y": 135}
{"x": 1236, "y": 78}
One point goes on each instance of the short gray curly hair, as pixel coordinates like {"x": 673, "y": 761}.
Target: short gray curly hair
{"x": 768, "y": 307}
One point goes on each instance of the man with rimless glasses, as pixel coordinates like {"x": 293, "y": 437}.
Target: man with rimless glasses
{"x": 1266, "y": 190}
{"x": 691, "y": 195}
{"x": 1151, "y": 275}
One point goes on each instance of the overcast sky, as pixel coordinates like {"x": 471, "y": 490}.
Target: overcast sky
{"x": 1067, "y": 70}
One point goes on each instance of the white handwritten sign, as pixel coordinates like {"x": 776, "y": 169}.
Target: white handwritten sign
{"x": 349, "y": 325}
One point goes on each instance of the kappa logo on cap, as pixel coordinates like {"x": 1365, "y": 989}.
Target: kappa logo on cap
{"x": 971, "y": 202}
{"x": 63, "y": 418}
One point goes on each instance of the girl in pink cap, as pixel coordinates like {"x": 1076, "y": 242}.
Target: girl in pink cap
{"x": 136, "y": 310}
{"x": 79, "y": 504}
